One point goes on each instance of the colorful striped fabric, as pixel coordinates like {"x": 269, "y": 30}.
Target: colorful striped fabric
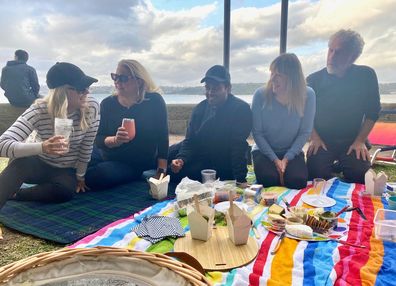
{"x": 296, "y": 262}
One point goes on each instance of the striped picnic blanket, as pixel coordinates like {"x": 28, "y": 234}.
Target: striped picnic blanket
{"x": 296, "y": 262}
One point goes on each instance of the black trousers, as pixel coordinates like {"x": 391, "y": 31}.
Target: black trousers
{"x": 320, "y": 165}
{"x": 295, "y": 177}
{"x": 192, "y": 169}
{"x": 53, "y": 184}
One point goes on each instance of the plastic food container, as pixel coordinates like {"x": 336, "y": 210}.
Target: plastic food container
{"x": 329, "y": 217}
{"x": 268, "y": 198}
{"x": 385, "y": 224}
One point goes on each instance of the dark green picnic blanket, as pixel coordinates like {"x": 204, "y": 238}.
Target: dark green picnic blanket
{"x": 83, "y": 215}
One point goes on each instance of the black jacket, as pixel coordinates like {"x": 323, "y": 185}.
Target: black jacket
{"x": 220, "y": 139}
{"x": 20, "y": 83}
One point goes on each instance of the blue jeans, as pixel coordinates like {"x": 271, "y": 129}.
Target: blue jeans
{"x": 102, "y": 174}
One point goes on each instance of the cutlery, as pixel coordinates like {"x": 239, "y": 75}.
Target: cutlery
{"x": 288, "y": 206}
{"x": 344, "y": 209}
{"x": 359, "y": 211}
{"x": 339, "y": 240}
{"x": 256, "y": 233}
{"x": 281, "y": 236}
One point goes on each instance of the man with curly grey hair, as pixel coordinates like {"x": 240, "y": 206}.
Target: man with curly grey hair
{"x": 347, "y": 106}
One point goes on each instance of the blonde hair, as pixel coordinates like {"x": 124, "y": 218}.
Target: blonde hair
{"x": 138, "y": 71}
{"x": 296, "y": 87}
{"x": 57, "y": 104}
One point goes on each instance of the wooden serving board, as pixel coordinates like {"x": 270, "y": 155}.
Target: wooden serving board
{"x": 218, "y": 253}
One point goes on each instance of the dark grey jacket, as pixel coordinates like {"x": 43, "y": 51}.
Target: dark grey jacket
{"x": 20, "y": 83}
{"x": 220, "y": 140}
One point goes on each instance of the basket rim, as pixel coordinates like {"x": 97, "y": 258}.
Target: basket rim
{"x": 192, "y": 275}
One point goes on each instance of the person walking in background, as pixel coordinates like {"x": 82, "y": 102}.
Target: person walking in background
{"x": 55, "y": 164}
{"x": 19, "y": 81}
{"x": 283, "y": 114}
{"x": 216, "y": 135}
{"x": 347, "y": 106}
{"x": 120, "y": 156}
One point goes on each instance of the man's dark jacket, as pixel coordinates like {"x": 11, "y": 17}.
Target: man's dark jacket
{"x": 219, "y": 139}
{"x": 20, "y": 83}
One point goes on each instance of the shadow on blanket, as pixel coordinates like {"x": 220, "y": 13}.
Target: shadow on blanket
{"x": 83, "y": 215}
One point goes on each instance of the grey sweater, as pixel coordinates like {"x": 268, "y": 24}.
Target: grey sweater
{"x": 278, "y": 131}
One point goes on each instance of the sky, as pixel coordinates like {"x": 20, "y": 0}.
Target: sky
{"x": 178, "y": 40}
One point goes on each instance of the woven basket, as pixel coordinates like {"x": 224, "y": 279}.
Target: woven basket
{"x": 100, "y": 266}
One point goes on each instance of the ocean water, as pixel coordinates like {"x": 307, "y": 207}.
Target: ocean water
{"x": 194, "y": 99}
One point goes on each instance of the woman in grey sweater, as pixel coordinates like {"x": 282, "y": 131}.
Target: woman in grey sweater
{"x": 283, "y": 114}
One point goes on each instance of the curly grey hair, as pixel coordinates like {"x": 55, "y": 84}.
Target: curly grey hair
{"x": 351, "y": 40}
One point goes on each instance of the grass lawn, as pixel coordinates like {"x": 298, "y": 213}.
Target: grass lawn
{"x": 16, "y": 245}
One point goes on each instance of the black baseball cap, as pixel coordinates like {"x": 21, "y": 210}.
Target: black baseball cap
{"x": 67, "y": 73}
{"x": 218, "y": 73}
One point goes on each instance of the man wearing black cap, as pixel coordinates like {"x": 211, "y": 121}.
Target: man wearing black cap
{"x": 216, "y": 135}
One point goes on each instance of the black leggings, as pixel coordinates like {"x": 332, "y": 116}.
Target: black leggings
{"x": 295, "y": 177}
{"x": 53, "y": 184}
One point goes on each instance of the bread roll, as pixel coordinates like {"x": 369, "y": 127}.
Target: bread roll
{"x": 299, "y": 230}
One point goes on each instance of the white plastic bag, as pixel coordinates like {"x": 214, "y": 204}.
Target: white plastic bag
{"x": 187, "y": 188}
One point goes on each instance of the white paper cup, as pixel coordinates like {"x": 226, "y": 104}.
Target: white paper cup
{"x": 208, "y": 176}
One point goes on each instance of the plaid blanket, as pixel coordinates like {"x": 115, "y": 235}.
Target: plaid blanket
{"x": 84, "y": 214}
{"x": 296, "y": 262}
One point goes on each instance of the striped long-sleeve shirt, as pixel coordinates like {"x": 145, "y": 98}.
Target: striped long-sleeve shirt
{"x": 37, "y": 118}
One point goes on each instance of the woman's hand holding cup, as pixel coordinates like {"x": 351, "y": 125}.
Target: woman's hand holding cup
{"x": 125, "y": 133}
{"x": 121, "y": 136}
{"x": 56, "y": 145}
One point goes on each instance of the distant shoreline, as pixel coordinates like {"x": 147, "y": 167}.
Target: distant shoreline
{"x": 386, "y": 99}
{"x": 237, "y": 89}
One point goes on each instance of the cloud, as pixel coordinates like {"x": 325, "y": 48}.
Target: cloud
{"x": 309, "y": 26}
{"x": 178, "y": 46}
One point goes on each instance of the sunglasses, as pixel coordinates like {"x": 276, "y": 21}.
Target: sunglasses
{"x": 120, "y": 77}
{"x": 79, "y": 91}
